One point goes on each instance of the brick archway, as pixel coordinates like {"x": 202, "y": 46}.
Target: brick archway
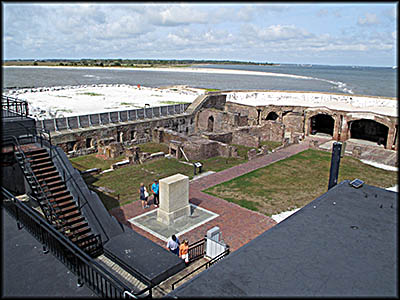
{"x": 369, "y": 130}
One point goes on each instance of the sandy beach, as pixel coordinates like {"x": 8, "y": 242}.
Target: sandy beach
{"x": 66, "y": 101}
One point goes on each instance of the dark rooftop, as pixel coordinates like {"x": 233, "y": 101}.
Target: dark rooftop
{"x": 343, "y": 243}
{"x": 27, "y": 272}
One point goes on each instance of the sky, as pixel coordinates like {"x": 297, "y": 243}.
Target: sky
{"x": 328, "y": 33}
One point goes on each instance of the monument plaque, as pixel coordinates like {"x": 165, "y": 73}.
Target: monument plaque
{"x": 174, "y": 199}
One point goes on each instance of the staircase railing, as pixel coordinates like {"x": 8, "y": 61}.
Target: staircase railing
{"x": 89, "y": 272}
{"x": 43, "y": 137}
{"x": 51, "y": 215}
{"x": 206, "y": 265}
{"x": 67, "y": 176}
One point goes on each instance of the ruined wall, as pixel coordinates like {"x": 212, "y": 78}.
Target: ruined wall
{"x": 215, "y": 101}
{"x": 133, "y": 132}
{"x": 221, "y": 121}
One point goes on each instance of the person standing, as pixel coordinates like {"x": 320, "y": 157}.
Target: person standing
{"x": 155, "y": 190}
{"x": 184, "y": 251}
{"x": 143, "y": 195}
{"x": 173, "y": 244}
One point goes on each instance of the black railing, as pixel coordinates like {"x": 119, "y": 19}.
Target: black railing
{"x": 43, "y": 137}
{"x": 197, "y": 250}
{"x": 44, "y": 203}
{"x": 13, "y": 107}
{"x": 205, "y": 265}
{"x": 98, "y": 279}
{"x": 68, "y": 177}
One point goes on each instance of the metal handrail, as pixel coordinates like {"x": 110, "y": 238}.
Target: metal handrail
{"x": 15, "y": 106}
{"x": 27, "y": 167}
{"x": 207, "y": 265}
{"x": 65, "y": 244}
{"x": 46, "y": 140}
{"x": 77, "y": 188}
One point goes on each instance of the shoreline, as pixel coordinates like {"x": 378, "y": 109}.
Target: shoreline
{"x": 63, "y": 101}
{"x": 212, "y": 71}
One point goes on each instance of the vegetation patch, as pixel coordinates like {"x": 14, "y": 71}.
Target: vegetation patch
{"x": 270, "y": 145}
{"x": 296, "y": 181}
{"x": 90, "y": 94}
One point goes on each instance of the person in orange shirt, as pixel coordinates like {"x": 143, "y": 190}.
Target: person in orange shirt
{"x": 184, "y": 251}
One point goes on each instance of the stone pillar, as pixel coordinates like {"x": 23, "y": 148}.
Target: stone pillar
{"x": 390, "y": 138}
{"x": 174, "y": 199}
{"x": 345, "y": 132}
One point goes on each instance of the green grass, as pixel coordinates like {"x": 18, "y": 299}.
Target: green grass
{"x": 270, "y": 145}
{"x": 242, "y": 150}
{"x": 93, "y": 161}
{"x": 153, "y": 148}
{"x": 296, "y": 181}
{"x": 212, "y": 90}
{"x": 124, "y": 182}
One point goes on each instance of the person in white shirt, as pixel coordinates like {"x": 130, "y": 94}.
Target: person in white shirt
{"x": 173, "y": 244}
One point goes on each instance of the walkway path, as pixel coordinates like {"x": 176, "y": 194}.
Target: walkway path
{"x": 238, "y": 225}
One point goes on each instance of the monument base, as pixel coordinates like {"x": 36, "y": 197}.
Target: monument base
{"x": 169, "y": 218}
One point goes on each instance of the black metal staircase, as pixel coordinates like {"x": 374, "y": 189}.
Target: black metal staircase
{"x": 55, "y": 200}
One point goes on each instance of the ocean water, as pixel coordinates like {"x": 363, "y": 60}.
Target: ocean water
{"x": 373, "y": 81}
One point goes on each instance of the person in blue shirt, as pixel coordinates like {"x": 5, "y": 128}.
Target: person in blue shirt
{"x": 155, "y": 189}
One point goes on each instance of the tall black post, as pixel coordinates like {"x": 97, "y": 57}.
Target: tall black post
{"x": 335, "y": 161}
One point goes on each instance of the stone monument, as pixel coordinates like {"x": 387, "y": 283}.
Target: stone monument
{"x": 174, "y": 199}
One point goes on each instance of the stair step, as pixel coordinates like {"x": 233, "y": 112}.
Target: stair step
{"x": 65, "y": 209}
{"x": 41, "y": 160}
{"x": 45, "y": 170}
{"x": 43, "y": 176}
{"x": 71, "y": 214}
{"x": 50, "y": 179}
{"x": 77, "y": 226}
{"x": 82, "y": 236}
{"x": 75, "y": 220}
{"x": 57, "y": 189}
{"x": 62, "y": 198}
{"x": 51, "y": 184}
{"x": 33, "y": 152}
{"x": 41, "y": 165}
{"x": 62, "y": 204}
{"x": 60, "y": 194}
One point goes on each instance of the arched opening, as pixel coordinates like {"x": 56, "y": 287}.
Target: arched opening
{"x": 71, "y": 146}
{"x": 369, "y": 130}
{"x": 210, "y": 124}
{"x": 323, "y": 124}
{"x": 88, "y": 142}
{"x": 272, "y": 116}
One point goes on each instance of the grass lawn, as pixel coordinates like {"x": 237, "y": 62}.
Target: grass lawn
{"x": 122, "y": 184}
{"x": 295, "y": 181}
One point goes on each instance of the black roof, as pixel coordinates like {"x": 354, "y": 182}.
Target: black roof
{"x": 344, "y": 243}
{"x": 28, "y": 272}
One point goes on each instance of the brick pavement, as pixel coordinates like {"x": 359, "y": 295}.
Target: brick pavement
{"x": 238, "y": 225}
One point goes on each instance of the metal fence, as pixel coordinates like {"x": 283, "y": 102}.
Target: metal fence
{"x": 13, "y": 107}
{"x": 88, "y": 272}
{"x": 114, "y": 117}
